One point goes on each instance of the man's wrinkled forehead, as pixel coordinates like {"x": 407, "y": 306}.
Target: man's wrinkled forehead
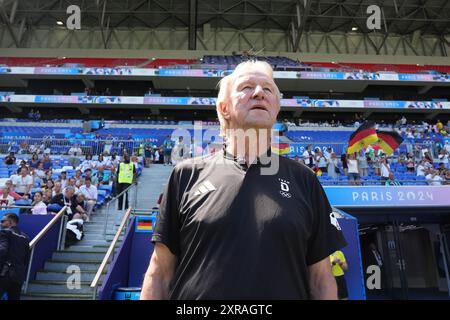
{"x": 251, "y": 73}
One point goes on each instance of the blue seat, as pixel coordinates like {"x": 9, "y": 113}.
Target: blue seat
{"x": 7, "y": 211}
{"x": 54, "y": 207}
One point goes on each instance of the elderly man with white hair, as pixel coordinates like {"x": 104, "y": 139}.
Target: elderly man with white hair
{"x": 244, "y": 223}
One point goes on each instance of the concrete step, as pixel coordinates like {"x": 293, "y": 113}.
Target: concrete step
{"x": 61, "y": 266}
{"x": 55, "y": 296}
{"x": 78, "y": 256}
{"x": 94, "y": 242}
{"x": 110, "y": 237}
{"x": 81, "y": 248}
{"x": 100, "y": 228}
{"x": 63, "y": 276}
{"x": 57, "y": 287}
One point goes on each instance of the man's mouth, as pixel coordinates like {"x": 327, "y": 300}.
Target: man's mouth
{"x": 258, "y": 108}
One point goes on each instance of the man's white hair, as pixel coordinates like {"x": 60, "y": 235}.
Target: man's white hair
{"x": 227, "y": 81}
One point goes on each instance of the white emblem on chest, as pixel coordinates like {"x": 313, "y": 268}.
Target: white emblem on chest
{"x": 284, "y": 188}
{"x": 204, "y": 188}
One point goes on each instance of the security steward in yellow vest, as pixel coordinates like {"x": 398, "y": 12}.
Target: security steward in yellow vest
{"x": 125, "y": 177}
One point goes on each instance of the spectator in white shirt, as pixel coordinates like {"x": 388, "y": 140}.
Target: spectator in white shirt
{"x": 87, "y": 163}
{"x": 421, "y": 169}
{"x": 22, "y": 183}
{"x": 447, "y": 146}
{"x": 39, "y": 207}
{"x": 433, "y": 178}
{"x": 40, "y": 172}
{"x": 308, "y": 157}
{"x": 90, "y": 195}
{"x": 5, "y": 199}
{"x": 63, "y": 179}
{"x": 385, "y": 170}
{"x": 101, "y": 161}
{"x": 78, "y": 178}
{"x": 75, "y": 152}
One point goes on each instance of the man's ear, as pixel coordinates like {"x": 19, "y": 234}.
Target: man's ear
{"x": 224, "y": 110}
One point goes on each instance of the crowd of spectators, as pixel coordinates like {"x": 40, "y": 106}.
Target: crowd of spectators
{"x": 45, "y": 190}
{"x": 357, "y": 166}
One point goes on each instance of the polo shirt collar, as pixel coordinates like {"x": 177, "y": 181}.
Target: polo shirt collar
{"x": 241, "y": 160}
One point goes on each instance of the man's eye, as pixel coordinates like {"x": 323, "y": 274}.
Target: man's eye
{"x": 268, "y": 90}
{"x": 247, "y": 88}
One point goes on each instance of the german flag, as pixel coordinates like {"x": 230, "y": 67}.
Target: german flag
{"x": 389, "y": 141}
{"x": 144, "y": 225}
{"x": 281, "y": 148}
{"x": 363, "y": 137}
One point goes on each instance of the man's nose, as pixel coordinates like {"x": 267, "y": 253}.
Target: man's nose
{"x": 258, "y": 93}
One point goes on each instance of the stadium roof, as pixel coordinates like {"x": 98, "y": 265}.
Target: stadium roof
{"x": 398, "y": 16}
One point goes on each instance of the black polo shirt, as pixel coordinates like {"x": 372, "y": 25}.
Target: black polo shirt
{"x": 239, "y": 234}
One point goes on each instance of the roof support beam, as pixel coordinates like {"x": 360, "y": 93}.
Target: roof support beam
{"x": 192, "y": 40}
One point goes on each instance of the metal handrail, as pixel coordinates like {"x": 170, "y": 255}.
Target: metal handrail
{"x": 110, "y": 251}
{"x": 38, "y": 237}
{"x": 47, "y": 227}
{"x": 16, "y": 207}
{"x": 111, "y": 201}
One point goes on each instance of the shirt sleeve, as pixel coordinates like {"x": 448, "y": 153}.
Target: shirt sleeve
{"x": 167, "y": 229}
{"x": 326, "y": 236}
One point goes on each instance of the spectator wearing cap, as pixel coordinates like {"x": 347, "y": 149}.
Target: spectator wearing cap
{"x": 90, "y": 193}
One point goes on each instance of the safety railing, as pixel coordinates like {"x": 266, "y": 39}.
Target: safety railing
{"x": 114, "y": 201}
{"x": 109, "y": 253}
{"x": 25, "y": 145}
{"x": 40, "y": 235}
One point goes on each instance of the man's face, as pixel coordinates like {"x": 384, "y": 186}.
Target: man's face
{"x": 69, "y": 193}
{"x": 5, "y": 223}
{"x": 24, "y": 172}
{"x": 253, "y": 101}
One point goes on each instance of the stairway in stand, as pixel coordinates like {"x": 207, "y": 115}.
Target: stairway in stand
{"x": 55, "y": 280}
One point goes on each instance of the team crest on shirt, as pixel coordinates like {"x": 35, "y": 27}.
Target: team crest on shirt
{"x": 334, "y": 221}
{"x": 284, "y": 188}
